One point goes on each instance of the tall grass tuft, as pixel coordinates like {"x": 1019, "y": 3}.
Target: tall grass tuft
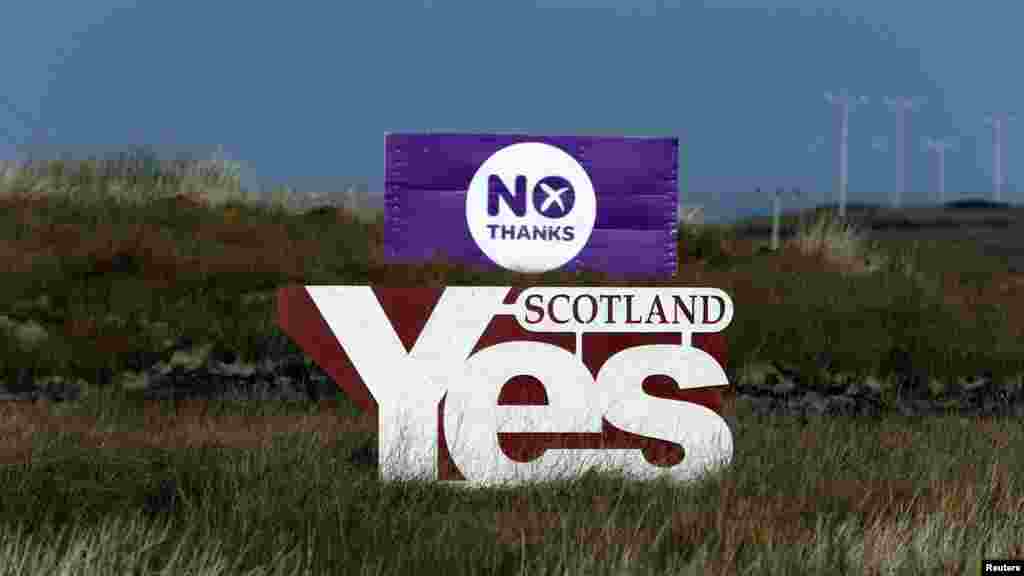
{"x": 838, "y": 241}
{"x": 137, "y": 176}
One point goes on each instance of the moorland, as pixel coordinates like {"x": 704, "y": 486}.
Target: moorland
{"x": 98, "y": 254}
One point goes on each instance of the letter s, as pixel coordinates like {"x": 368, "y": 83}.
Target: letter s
{"x": 704, "y": 436}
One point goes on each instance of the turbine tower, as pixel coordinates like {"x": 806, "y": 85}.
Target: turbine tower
{"x": 844, "y": 101}
{"x": 939, "y": 146}
{"x": 813, "y": 148}
{"x": 997, "y": 122}
{"x": 901, "y": 105}
{"x": 777, "y": 213}
{"x": 350, "y": 199}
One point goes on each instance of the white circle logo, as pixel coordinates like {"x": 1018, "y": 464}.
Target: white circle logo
{"x": 531, "y": 207}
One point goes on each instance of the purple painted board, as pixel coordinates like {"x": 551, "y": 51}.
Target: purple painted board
{"x": 533, "y": 203}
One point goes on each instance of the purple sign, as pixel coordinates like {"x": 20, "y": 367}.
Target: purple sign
{"x": 533, "y": 203}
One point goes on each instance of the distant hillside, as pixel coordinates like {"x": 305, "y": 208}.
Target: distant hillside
{"x": 974, "y": 213}
{"x": 976, "y": 204}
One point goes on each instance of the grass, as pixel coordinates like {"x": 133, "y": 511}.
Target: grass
{"x": 114, "y": 484}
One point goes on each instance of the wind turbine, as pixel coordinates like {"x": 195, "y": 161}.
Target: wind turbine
{"x": 777, "y": 213}
{"x": 901, "y": 105}
{"x": 350, "y": 198}
{"x": 939, "y": 146}
{"x": 845, "y": 102}
{"x": 997, "y": 122}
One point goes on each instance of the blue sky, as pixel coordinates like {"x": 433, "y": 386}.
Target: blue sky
{"x": 304, "y": 92}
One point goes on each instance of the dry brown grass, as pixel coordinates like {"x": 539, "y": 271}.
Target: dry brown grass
{"x": 1003, "y": 289}
{"x": 191, "y": 424}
